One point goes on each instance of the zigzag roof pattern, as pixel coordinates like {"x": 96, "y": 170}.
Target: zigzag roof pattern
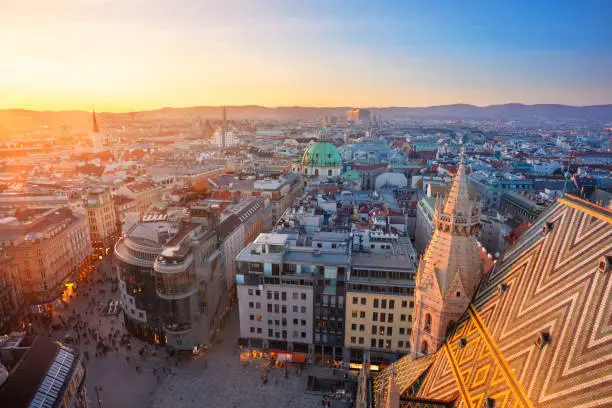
{"x": 539, "y": 330}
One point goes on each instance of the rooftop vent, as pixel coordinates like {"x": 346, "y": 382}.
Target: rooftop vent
{"x": 547, "y": 227}
{"x": 542, "y": 339}
{"x": 605, "y": 265}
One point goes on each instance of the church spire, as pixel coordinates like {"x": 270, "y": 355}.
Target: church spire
{"x": 450, "y": 270}
{"x": 458, "y": 202}
{"x": 96, "y": 129}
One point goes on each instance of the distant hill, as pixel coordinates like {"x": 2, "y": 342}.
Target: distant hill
{"x": 13, "y": 119}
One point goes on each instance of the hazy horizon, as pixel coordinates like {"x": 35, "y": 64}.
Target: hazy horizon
{"x": 122, "y": 56}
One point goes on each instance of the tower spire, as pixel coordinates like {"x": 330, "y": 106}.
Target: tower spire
{"x": 96, "y": 129}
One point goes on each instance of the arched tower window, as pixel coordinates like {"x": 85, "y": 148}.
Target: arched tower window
{"x": 427, "y": 323}
{"x": 424, "y": 347}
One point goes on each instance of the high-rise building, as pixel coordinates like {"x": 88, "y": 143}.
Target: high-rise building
{"x": 102, "y": 217}
{"x": 450, "y": 270}
{"x": 358, "y": 114}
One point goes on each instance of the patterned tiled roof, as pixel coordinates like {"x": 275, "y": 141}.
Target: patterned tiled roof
{"x": 538, "y": 332}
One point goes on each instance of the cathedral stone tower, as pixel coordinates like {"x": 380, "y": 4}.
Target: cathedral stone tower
{"x": 450, "y": 270}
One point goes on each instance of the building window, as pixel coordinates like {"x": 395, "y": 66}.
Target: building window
{"x": 284, "y": 309}
{"x": 303, "y": 335}
{"x": 269, "y": 295}
{"x": 374, "y": 316}
{"x": 303, "y": 309}
{"x": 427, "y": 324}
{"x": 295, "y": 321}
{"x": 391, "y": 304}
{"x": 361, "y": 340}
{"x": 303, "y": 296}
{"x": 275, "y": 295}
{"x": 284, "y": 334}
{"x": 329, "y": 172}
{"x": 373, "y": 343}
{"x": 284, "y": 321}
{"x": 355, "y": 300}
{"x": 303, "y": 322}
{"x": 259, "y": 330}
{"x": 363, "y": 301}
{"x": 409, "y": 331}
{"x": 353, "y": 327}
{"x": 362, "y": 315}
{"x": 389, "y": 331}
{"x": 251, "y": 317}
{"x": 458, "y": 294}
{"x": 411, "y": 304}
{"x": 270, "y": 333}
{"x": 276, "y": 322}
{"x": 353, "y": 339}
{"x": 381, "y": 343}
{"x": 250, "y": 305}
{"x": 404, "y": 303}
{"x": 361, "y": 327}
{"x": 410, "y": 318}
{"x": 276, "y": 308}
{"x": 375, "y": 302}
{"x": 390, "y": 318}
{"x": 373, "y": 329}
{"x": 257, "y": 305}
{"x": 284, "y": 296}
{"x": 252, "y": 330}
{"x": 400, "y": 344}
{"x": 402, "y": 330}
{"x": 402, "y": 318}
{"x": 383, "y": 304}
{"x": 250, "y": 292}
{"x": 295, "y": 309}
{"x": 295, "y": 295}
{"x": 354, "y": 314}
{"x": 258, "y": 293}
{"x": 383, "y": 317}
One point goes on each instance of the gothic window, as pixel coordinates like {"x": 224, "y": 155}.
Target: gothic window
{"x": 424, "y": 347}
{"x": 428, "y": 323}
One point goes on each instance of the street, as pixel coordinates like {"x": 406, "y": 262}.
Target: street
{"x": 122, "y": 377}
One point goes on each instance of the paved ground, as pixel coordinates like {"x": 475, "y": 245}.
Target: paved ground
{"x": 220, "y": 380}
{"x": 217, "y": 379}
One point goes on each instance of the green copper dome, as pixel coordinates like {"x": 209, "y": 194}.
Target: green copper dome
{"x": 321, "y": 154}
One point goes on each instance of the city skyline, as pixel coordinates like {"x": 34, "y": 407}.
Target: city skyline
{"x": 118, "y": 56}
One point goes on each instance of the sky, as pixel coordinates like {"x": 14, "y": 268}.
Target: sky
{"x": 125, "y": 55}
